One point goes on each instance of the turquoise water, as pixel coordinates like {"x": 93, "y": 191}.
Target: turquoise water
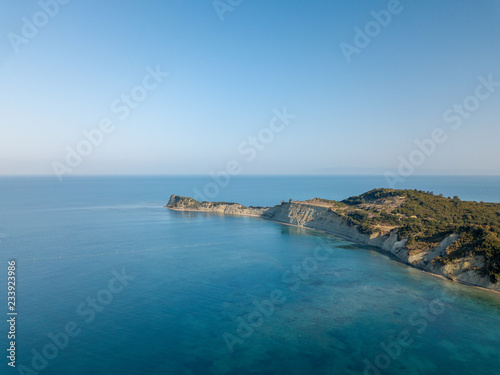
{"x": 194, "y": 278}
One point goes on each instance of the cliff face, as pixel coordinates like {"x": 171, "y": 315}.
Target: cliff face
{"x": 323, "y": 219}
{"x": 178, "y": 203}
{"x": 464, "y": 270}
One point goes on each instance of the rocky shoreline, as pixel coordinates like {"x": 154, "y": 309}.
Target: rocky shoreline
{"x": 305, "y": 214}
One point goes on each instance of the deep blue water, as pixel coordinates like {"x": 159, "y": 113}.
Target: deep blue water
{"x": 197, "y": 277}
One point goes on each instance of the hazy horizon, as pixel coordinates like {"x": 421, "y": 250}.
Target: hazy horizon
{"x": 169, "y": 88}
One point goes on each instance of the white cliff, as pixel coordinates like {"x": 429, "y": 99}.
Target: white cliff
{"x": 464, "y": 270}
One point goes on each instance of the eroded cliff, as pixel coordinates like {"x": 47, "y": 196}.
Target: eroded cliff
{"x": 310, "y": 214}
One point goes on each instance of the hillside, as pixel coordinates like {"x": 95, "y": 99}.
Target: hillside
{"x": 446, "y": 236}
{"x": 426, "y": 219}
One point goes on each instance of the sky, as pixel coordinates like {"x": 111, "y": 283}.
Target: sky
{"x": 256, "y": 87}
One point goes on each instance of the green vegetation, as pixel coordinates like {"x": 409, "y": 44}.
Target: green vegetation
{"x": 426, "y": 219}
{"x": 194, "y": 204}
{"x": 226, "y": 204}
{"x": 422, "y": 217}
{"x": 190, "y": 202}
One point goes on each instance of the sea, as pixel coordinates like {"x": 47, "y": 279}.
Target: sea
{"x": 108, "y": 281}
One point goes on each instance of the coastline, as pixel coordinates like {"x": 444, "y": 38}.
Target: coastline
{"x": 319, "y": 218}
{"x": 374, "y": 248}
{"x": 213, "y": 212}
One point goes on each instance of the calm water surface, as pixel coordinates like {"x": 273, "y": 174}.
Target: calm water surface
{"x": 193, "y": 292}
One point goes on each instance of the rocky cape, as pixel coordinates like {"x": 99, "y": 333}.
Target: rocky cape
{"x": 316, "y": 215}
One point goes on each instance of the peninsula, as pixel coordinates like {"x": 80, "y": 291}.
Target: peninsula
{"x": 459, "y": 240}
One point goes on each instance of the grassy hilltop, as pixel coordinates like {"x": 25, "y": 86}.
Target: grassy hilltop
{"x": 426, "y": 219}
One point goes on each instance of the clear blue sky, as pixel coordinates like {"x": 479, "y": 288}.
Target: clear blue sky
{"x": 226, "y": 77}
